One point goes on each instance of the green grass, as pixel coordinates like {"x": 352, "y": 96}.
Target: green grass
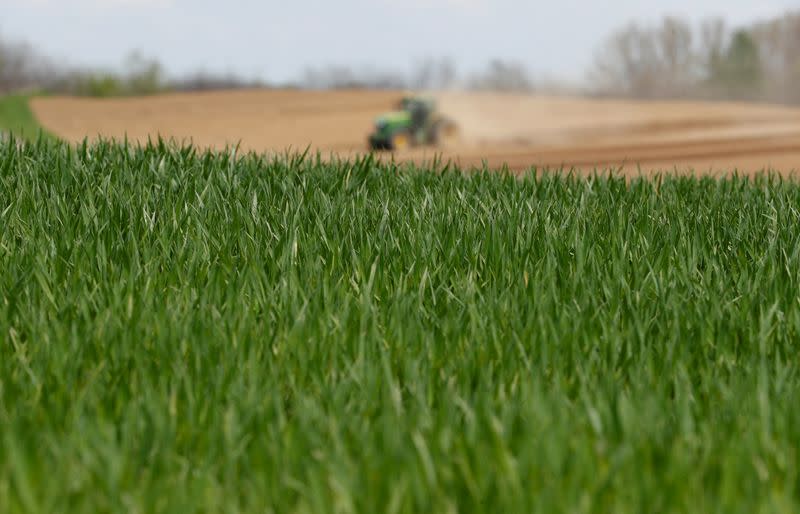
{"x": 188, "y": 332}
{"x": 16, "y": 117}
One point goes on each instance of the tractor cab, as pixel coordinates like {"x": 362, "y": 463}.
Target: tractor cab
{"x": 419, "y": 108}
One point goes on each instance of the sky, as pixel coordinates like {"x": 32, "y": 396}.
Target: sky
{"x": 276, "y": 40}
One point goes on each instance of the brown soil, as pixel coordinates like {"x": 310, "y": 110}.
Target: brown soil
{"x": 516, "y": 130}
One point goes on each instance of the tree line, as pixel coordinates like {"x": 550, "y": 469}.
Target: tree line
{"x": 670, "y": 59}
{"x": 23, "y": 68}
{"x": 675, "y": 59}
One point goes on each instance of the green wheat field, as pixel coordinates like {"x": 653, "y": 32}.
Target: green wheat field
{"x": 185, "y": 331}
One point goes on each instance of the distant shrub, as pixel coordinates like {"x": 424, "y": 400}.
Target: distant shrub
{"x": 102, "y": 86}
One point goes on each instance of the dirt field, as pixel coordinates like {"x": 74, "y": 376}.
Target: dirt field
{"x": 520, "y": 131}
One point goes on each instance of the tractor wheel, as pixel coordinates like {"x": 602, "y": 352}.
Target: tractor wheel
{"x": 400, "y": 141}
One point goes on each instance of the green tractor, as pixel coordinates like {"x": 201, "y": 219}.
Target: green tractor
{"x": 415, "y": 123}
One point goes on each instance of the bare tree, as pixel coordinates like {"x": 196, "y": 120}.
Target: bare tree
{"x": 627, "y": 64}
{"x": 779, "y": 46}
{"x": 434, "y": 74}
{"x": 713, "y": 38}
{"x": 143, "y": 75}
{"x": 21, "y": 67}
{"x": 678, "y": 63}
{"x": 647, "y": 62}
{"x": 502, "y": 76}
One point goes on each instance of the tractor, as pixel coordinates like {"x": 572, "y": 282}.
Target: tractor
{"x": 415, "y": 123}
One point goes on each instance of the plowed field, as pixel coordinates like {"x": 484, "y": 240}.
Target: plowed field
{"x": 517, "y": 130}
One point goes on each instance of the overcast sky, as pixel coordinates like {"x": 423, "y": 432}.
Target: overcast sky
{"x": 278, "y": 39}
